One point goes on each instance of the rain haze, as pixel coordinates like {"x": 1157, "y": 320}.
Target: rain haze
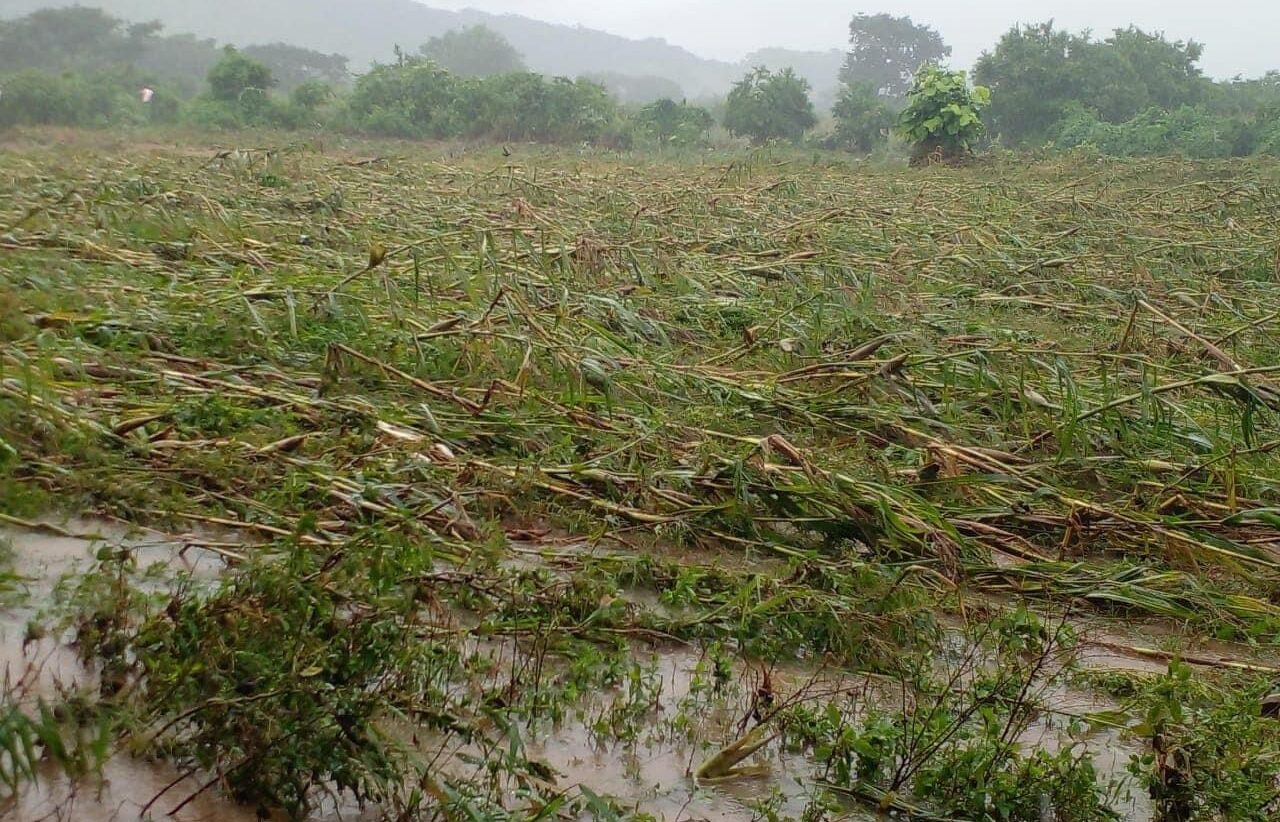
{"x": 1239, "y": 35}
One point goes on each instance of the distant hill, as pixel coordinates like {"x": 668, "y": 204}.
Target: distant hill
{"x": 368, "y": 30}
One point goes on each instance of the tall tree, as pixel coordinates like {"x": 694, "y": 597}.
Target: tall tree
{"x": 1039, "y": 73}
{"x": 292, "y": 65}
{"x": 236, "y": 74}
{"x": 863, "y": 118}
{"x": 71, "y": 38}
{"x": 1032, "y": 73}
{"x": 767, "y": 106}
{"x": 88, "y": 41}
{"x": 477, "y": 51}
{"x": 1167, "y": 67}
{"x": 886, "y": 51}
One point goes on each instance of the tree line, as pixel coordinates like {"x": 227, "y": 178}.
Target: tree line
{"x": 82, "y": 67}
{"x": 1131, "y": 93}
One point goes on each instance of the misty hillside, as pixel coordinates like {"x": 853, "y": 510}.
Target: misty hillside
{"x": 368, "y": 30}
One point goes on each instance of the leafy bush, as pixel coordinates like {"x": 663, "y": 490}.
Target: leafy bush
{"x": 943, "y": 115}
{"x": 415, "y": 98}
{"x": 215, "y": 115}
{"x": 239, "y": 95}
{"x": 311, "y": 95}
{"x": 235, "y": 75}
{"x": 1213, "y": 756}
{"x": 385, "y": 122}
{"x": 105, "y": 98}
{"x": 409, "y": 98}
{"x": 672, "y": 123}
{"x": 530, "y": 107}
{"x": 477, "y": 51}
{"x": 314, "y": 722}
{"x": 254, "y": 110}
{"x": 1268, "y": 138}
{"x": 863, "y": 118}
{"x": 766, "y": 106}
{"x": 36, "y": 98}
{"x": 1187, "y": 131}
{"x": 164, "y": 108}
{"x": 953, "y": 744}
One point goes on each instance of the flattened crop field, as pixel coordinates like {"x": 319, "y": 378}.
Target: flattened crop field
{"x": 485, "y": 442}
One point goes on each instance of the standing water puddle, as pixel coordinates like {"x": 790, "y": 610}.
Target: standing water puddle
{"x": 672, "y": 727}
{"x": 685, "y": 726}
{"x": 43, "y": 668}
{"x": 649, "y": 773}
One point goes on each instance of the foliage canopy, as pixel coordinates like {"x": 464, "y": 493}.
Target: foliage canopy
{"x": 477, "y": 51}
{"x": 768, "y": 106}
{"x": 863, "y": 118}
{"x": 235, "y": 75}
{"x": 943, "y": 114}
{"x": 885, "y": 52}
{"x": 1036, "y": 73}
{"x": 417, "y": 98}
{"x": 674, "y": 123}
{"x": 292, "y": 66}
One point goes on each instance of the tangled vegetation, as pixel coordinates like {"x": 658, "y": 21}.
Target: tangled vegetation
{"x": 492, "y": 432}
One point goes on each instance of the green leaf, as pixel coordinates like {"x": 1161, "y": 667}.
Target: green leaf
{"x": 1266, "y": 516}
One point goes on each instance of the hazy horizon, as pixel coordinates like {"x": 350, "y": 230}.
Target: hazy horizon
{"x": 1238, "y": 35}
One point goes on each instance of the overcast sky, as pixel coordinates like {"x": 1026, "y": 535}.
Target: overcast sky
{"x": 1240, "y": 36}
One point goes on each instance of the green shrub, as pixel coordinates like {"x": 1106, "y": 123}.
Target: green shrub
{"x": 104, "y": 98}
{"x": 943, "y": 115}
{"x": 415, "y": 98}
{"x": 311, "y": 95}
{"x": 1264, "y": 134}
{"x": 407, "y": 99}
{"x": 863, "y": 119}
{"x": 670, "y": 123}
{"x": 765, "y": 106}
{"x": 216, "y": 115}
{"x": 531, "y": 107}
{"x": 37, "y": 98}
{"x": 164, "y": 109}
{"x": 235, "y": 75}
{"x": 386, "y": 122}
{"x": 1187, "y": 131}
{"x": 1211, "y": 753}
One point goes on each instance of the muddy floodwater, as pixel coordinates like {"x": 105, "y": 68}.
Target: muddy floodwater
{"x": 650, "y": 773}
{"x": 46, "y": 667}
{"x": 648, "y": 770}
